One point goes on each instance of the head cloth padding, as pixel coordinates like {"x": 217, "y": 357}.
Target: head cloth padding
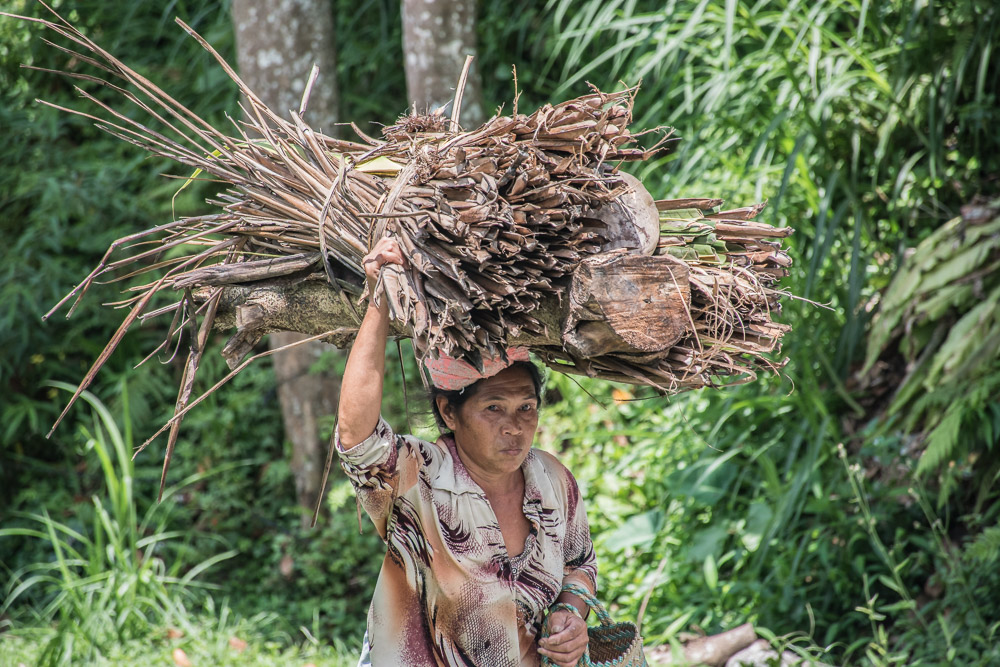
{"x": 451, "y": 374}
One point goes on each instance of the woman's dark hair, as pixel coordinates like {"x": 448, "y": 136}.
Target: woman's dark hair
{"x": 457, "y": 398}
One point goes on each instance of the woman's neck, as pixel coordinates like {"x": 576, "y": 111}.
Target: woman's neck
{"x": 493, "y": 484}
{"x": 501, "y": 485}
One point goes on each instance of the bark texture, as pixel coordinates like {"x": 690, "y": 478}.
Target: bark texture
{"x": 277, "y": 43}
{"x": 437, "y": 36}
{"x": 627, "y": 304}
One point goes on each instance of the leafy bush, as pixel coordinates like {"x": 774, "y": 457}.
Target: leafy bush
{"x": 76, "y": 189}
{"x": 73, "y": 191}
{"x": 867, "y": 126}
{"x": 106, "y": 583}
{"x": 939, "y": 315}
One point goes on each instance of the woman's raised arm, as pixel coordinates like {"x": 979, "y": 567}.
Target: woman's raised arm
{"x": 361, "y": 388}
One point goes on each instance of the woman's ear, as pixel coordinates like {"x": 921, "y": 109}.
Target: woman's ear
{"x": 447, "y": 411}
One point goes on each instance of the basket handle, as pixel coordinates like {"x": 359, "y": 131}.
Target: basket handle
{"x": 592, "y": 602}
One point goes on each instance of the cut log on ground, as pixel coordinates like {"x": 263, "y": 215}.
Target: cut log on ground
{"x": 717, "y": 649}
{"x": 738, "y": 647}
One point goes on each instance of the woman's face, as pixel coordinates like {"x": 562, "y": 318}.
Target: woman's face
{"x": 495, "y": 427}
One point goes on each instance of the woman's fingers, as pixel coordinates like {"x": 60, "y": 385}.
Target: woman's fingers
{"x": 557, "y": 640}
{"x": 575, "y": 647}
{"x": 564, "y": 658}
{"x": 569, "y": 646}
{"x": 566, "y": 646}
{"x": 386, "y": 246}
{"x": 389, "y": 247}
{"x": 386, "y": 251}
{"x": 569, "y": 628}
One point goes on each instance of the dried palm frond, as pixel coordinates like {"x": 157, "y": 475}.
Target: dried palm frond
{"x": 493, "y": 221}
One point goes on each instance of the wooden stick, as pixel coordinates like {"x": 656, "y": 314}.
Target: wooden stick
{"x": 456, "y": 107}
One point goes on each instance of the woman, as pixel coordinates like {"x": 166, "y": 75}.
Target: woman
{"x": 481, "y": 530}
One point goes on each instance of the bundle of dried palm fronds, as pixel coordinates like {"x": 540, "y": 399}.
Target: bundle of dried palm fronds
{"x": 493, "y": 222}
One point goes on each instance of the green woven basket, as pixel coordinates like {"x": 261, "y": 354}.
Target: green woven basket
{"x": 610, "y": 644}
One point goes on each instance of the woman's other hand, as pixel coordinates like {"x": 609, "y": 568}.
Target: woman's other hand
{"x": 568, "y": 641}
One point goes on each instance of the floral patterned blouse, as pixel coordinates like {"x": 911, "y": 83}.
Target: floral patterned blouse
{"x": 448, "y": 592}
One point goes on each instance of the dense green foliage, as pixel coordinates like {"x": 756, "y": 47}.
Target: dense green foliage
{"x": 67, "y": 192}
{"x": 867, "y": 125}
{"x": 793, "y": 502}
{"x": 107, "y": 584}
{"x": 946, "y": 298}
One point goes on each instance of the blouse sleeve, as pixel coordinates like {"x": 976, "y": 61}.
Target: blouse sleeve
{"x": 578, "y": 549}
{"x": 372, "y": 466}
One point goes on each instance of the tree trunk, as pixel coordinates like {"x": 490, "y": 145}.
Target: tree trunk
{"x": 277, "y": 43}
{"x": 305, "y": 398}
{"x": 437, "y": 36}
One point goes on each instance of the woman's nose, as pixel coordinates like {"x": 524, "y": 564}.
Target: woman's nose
{"x": 511, "y": 426}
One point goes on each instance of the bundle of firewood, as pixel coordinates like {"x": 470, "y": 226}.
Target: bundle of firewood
{"x": 521, "y": 231}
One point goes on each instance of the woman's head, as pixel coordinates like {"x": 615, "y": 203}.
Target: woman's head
{"x": 456, "y": 398}
{"x": 494, "y": 420}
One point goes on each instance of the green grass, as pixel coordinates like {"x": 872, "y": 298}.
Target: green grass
{"x": 108, "y": 593}
{"x": 212, "y": 637}
{"x": 105, "y": 583}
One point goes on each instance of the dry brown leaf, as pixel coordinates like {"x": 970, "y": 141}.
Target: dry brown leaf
{"x": 492, "y": 220}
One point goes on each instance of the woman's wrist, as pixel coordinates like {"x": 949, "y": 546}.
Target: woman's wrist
{"x": 567, "y": 607}
{"x": 380, "y": 309}
{"x": 577, "y": 603}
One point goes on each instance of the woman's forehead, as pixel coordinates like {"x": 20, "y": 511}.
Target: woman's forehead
{"x": 508, "y": 383}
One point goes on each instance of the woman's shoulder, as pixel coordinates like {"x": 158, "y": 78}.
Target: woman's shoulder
{"x": 549, "y": 463}
{"x": 547, "y": 472}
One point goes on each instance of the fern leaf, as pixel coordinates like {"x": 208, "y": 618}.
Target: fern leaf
{"x": 941, "y": 441}
{"x": 986, "y": 547}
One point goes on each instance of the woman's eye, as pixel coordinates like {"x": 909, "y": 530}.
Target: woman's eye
{"x": 527, "y": 407}
{"x": 493, "y": 408}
